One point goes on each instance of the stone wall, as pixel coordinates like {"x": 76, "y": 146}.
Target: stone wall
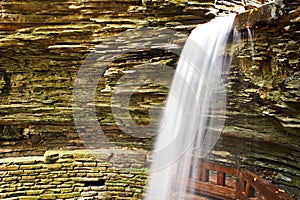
{"x": 99, "y": 174}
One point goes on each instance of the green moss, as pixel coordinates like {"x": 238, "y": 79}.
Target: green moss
{"x": 274, "y": 96}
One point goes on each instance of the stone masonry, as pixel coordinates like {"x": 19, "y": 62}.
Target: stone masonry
{"x": 81, "y": 174}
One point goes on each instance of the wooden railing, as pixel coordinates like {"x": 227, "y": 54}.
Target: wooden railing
{"x": 229, "y": 183}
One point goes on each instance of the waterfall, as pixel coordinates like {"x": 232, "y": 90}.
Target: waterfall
{"x": 250, "y": 39}
{"x": 194, "y": 113}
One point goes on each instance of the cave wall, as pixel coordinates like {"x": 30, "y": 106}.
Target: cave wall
{"x": 44, "y": 44}
{"x": 267, "y": 62}
{"x": 263, "y": 111}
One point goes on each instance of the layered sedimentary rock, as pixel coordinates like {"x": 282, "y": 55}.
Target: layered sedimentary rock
{"x": 44, "y": 44}
{"x": 263, "y": 124}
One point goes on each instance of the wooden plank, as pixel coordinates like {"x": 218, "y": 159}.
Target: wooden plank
{"x": 242, "y": 196}
{"x": 218, "y": 168}
{"x": 264, "y": 187}
{"x": 247, "y": 189}
{"x": 213, "y": 190}
{"x": 240, "y": 187}
{"x": 203, "y": 174}
{"x": 246, "y": 184}
{"x": 221, "y": 178}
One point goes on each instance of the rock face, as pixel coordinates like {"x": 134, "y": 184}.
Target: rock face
{"x": 263, "y": 100}
{"x": 135, "y": 45}
{"x": 43, "y": 46}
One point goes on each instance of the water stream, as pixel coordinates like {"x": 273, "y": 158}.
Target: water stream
{"x": 194, "y": 113}
{"x": 251, "y": 41}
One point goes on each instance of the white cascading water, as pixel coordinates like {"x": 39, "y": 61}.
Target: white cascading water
{"x": 250, "y": 39}
{"x": 194, "y": 113}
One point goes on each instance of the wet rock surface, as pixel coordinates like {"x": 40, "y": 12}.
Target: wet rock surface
{"x": 43, "y": 46}
{"x": 263, "y": 118}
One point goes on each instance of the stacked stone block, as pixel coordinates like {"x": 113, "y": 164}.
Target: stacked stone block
{"x": 105, "y": 174}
